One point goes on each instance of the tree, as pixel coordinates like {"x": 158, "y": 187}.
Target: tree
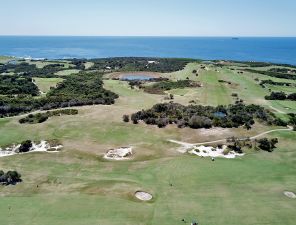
{"x": 267, "y": 145}
{"x": 276, "y": 96}
{"x": 134, "y": 118}
{"x": 25, "y": 146}
{"x": 11, "y": 177}
{"x": 292, "y": 97}
{"x": 126, "y": 118}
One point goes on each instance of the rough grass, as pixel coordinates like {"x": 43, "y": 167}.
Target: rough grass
{"x": 5, "y": 59}
{"x": 44, "y": 84}
{"x": 41, "y": 64}
{"x": 67, "y": 72}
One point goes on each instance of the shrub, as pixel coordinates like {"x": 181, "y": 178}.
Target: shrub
{"x": 292, "y": 97}
{"x": 10, "y": 178}
{"x": 276, "y": 96}
{"x": 25, "y": 146}
{"x": 125, "y": 118}
{"x": 267, "y": 145}
{"x": 200, "y": 122}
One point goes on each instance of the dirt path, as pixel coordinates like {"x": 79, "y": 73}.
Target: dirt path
{"x": 277, "y": 110}
{"x": 188, "y": 145}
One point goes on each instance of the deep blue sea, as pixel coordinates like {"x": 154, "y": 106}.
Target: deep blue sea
{"x": 277, "y": 50}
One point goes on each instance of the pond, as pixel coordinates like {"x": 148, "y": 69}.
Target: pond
{"x": 136, "y": 77}
{"x": 220, "y": 114}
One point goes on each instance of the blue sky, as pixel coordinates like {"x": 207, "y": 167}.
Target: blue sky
{"x": 148, "y": 17}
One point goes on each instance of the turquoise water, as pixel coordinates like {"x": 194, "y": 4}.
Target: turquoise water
{"x": 277, "y": 50}
{"x": 136, "y": 77}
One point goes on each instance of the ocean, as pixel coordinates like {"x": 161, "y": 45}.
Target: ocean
{"x": 276, "y": 50}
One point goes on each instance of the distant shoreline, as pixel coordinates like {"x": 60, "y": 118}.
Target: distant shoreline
{"x": 143, "y": 57}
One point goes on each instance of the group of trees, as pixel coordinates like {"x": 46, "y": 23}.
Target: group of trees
{"x": 281, "y": 96}
{"x": 31, "y": 70}
{"x": 10, "y": 177}
{"x": 283, "y": 70}
{"x": 271, "y": 82}
{"x": 76, "y": 90}
{"x": 16, "y": 85}
{"x": 161, "y": 65}
{"x": 265, "y": 144}
{"x": 272, "y": 74}
{"x": 42, "y": 117}
{"x": 197, "y": 116}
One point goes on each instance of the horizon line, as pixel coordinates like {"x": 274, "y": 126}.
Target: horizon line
{"x": 148, "y": 36}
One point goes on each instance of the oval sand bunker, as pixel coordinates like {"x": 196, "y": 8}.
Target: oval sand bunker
{"x": 143, "y": 196}
{"x": 290, "y": 194}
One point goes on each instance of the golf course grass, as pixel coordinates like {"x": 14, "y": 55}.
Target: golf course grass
{"x": 77, "y": 186}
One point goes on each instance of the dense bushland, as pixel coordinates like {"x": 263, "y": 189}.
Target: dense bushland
{"x": 273, "y": 74}
{"x": 16, "y": 85}
{"x": 197, "y": 116}
{"x": 281, "y": 96}
{"x": 161, "y": 65}
{"x": 161, "y": 87}
{"x": 76, "y": 90}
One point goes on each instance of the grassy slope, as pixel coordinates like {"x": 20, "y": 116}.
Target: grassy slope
{"x": 41, "y": 64}
{"x": 67, "y": 72}
{"x": 77, "y": 187}
{"x": 44, "y": 84}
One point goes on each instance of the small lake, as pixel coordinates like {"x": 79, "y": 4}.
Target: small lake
{"x": 136, "y": 77}
{"x": 220, "y": 114}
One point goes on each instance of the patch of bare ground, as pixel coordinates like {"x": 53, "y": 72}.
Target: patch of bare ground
{"x": 290, "y": 194}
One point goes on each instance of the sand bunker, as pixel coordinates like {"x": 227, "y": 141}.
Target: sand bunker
{"x": 290, "y": 194}
{"x": 204, "y": 151}
{"x": 143, "y": 196}
{"x": 119, "y": 153}
{"x": 43, "y": 146}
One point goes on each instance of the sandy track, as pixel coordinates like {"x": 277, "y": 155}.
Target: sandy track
{"x": 188, "y": 145}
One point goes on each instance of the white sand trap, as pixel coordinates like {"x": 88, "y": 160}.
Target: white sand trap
{"x": 214, "y": 152}
{"x": 119, "y": 153}
{"x": 43, "y": 146}
{"x": 143, "y": 196}
{"x": 203, "y": 151}
{"x": 290, "y": 194}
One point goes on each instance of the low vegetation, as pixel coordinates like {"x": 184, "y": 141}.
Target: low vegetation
{"x": 272, "y": 74}
{"x": 265, "y": 144}
{"x": 161, "y": 87}
{"x": 10, "y": 177}
{"x": 42, "y": 117}
{"x": 281, "y": 96}
{"x": 271, "y": 82}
